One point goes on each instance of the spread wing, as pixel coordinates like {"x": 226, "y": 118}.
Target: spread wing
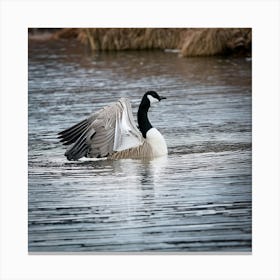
{"x": 106, "y": 131}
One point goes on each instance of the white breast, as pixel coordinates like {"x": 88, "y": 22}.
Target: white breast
{"x": 157, "y": 142}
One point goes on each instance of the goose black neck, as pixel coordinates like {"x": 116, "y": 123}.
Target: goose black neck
{"x": 142, "y": 117}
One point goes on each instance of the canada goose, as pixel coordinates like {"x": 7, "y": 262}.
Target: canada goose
{"x": 111, "y": 132}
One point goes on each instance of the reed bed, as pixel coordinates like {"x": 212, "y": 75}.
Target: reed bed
{"x": 217, "y": 41}
{"x": 108, "y": 39}
{"x": 189, "y": 41}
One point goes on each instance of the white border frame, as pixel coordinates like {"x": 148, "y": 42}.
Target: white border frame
{"x": 17, "y": 16}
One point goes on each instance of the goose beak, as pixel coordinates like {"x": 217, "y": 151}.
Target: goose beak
{"x": 161, "y": 97}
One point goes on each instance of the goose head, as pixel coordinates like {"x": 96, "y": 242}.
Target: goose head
{"x": 151, "y": 97}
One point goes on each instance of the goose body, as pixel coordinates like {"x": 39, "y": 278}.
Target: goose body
{"x": 112, "y": 132}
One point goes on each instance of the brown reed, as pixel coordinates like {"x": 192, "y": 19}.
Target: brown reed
{"x": 189, "y": 41}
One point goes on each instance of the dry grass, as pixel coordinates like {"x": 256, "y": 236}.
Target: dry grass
{"x": 107, "y": 39}
{"x": 214, "y": 41}
{"x": 190, "y": 41}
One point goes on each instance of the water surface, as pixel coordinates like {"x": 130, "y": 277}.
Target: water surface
{"x": 197, "y": 199}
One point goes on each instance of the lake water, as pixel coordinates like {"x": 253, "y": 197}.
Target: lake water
{"x": 197, "y": 199}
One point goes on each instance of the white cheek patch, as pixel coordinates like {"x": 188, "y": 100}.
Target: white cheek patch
{"x": 152, "y": 99}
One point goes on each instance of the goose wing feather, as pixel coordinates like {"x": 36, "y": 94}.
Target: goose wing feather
{"x": 111, "y": 129}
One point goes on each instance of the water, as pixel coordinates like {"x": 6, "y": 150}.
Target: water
{"x": 197, "y": 199}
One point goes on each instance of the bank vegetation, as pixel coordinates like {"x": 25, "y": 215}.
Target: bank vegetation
{"x": 188, "y": 41}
